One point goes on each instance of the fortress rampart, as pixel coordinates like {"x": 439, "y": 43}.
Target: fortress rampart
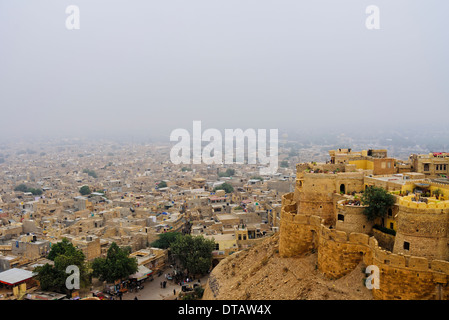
{"x": 318, "y": 193}
{"x": 422, "y": 229}
{"x": 401, "y": 276}
{"x": 353, "y": 219}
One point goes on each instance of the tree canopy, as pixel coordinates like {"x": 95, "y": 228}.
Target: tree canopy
{"x": 85, "y": 190}
{"x": 50, "y": 278}
{"x": 90, "y": 173}
{"x": 21, "y": 187}
{"x": 165, "y": 240}
{"x": 228, "y": 173}
{"x": 225, "y": 186}
{"x": 117, "y": 265}
{"x": 64, "y": 254}
{"x": 64, "y": 247}
{"x": 377, "y": 200}
{"x": 24, "y": 188}
{"x": 36, "y": 191}
{"x": 194, "y": 253}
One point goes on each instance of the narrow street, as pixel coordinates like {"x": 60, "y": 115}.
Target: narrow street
{"x": 152, "y": 289}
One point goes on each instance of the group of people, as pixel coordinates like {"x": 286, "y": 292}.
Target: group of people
{"x": 187, "y": 280}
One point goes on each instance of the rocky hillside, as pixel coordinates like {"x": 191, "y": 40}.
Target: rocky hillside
{"x": 259, "y": 273}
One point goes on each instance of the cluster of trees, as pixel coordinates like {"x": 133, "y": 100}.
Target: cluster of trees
{"x": 194, "y": 253}
{"x": 85, "y": 190}
{"x": 284, "y": 164}
{"x": 53, "y": 277}
{"x": 24, "y": 188}
{"x": 227, "y": 173}
{"x": 165, "y": 240}
{"x": 90, "y": 173}
{"x": 117, "y": 265}
{"x": 226, "y": 187}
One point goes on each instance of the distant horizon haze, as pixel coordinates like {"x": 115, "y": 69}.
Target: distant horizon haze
{"x": 140, "y": 69}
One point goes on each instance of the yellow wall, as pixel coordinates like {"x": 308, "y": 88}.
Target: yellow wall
{"x": 408, "y": 187}
{"x": 226, "y": 244}
{"x": 445, "y": 191}
{"x": 388, "y": 221}
{"x": 363, "y": 164}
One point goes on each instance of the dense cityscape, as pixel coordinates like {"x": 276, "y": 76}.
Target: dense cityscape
{"x": 90, "y": 196}
{"x": 223, "y": 158}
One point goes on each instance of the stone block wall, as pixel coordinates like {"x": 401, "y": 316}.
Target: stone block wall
{"x": 354, "y": 220}
{"x": 401, "y": 276}
{"x": 424, "y": 228}
{"x": 386, "y": 241}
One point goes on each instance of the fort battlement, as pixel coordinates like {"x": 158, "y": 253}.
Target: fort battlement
{"x": 401, "y": 276}
{"x": 300, "y": 167}
{"x": 407, "y": 202}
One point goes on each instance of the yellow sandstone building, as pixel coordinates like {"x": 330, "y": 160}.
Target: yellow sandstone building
{"x": 409, "y": 245}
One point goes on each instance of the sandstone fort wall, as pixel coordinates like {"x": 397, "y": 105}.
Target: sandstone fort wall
{"x": 401, "y": 276}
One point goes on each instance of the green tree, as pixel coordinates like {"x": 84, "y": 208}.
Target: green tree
{"x": 24, "y": 188}
{"x": 85, "y": 190}
{"x": 194, "y": 253}
{"x": 50, "y": 278}
{"x": 284, "y": 164}
{"x": 227, "y": 173}
{"x": 90, "y": 173}
{"x": 21, "y": 187}
{"x": 64, "y": 247}
{"x": 36, "y": 192}
{"x": 77, "y": 258}
{"x": 377, "y": 200}
{"x": 225, "y": 186}
{"x": 63, "y": 254}
{"x": 117, "y": 265}
{"x": 165, "y": 240}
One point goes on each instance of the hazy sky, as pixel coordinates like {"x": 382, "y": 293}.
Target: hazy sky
{"x": 146, "y": 67}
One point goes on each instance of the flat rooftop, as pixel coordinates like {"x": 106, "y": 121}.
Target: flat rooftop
{"x": 221, "y": 237}
{"x": 226, "y": 216}
{"x": 14, "y": 276}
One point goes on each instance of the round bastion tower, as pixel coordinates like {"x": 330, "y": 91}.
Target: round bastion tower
{"x": 422, "y": 229}
{"x": 319, "y": 187}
